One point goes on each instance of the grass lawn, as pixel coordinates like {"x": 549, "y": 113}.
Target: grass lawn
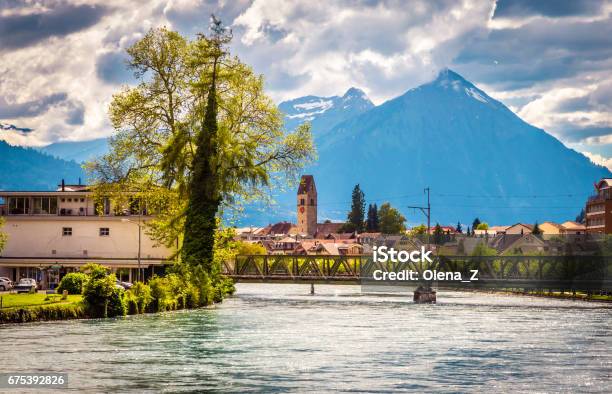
{"x": 24, "y": 300}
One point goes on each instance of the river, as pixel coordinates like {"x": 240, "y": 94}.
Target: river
{"x": 277, "y": 337}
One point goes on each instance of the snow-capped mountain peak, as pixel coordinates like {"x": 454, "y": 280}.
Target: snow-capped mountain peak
{"x": 451, "y": 82}
{"x": 324, "y": 112}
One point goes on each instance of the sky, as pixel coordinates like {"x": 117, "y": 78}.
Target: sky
{"x": 549, "y": 61}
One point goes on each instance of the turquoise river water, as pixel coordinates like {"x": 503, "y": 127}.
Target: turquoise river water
{"x": 278, "y": 338}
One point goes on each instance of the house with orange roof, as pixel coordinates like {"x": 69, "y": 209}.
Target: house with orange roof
{"x": 572, "y": 228}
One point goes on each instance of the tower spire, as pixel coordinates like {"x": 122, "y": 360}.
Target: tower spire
{"x": 307, "y": 206}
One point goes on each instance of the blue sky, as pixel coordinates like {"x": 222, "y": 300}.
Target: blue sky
{"x": 549, "y": 61}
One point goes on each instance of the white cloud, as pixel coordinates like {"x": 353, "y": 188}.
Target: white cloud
{"x": 384, "y": 48}
{"x": 67, "y": 65}
{"x": 322, "y": 48}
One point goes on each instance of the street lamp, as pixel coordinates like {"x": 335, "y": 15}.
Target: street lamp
{"x": 139, "y": 224}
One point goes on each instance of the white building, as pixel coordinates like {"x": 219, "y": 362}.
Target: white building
{"x": 53, "y": 233}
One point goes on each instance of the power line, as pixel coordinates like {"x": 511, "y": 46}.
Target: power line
{"x": 560, "y": 195}
{"x": 479, "y": 205}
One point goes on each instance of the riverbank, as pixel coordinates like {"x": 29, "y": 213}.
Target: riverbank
{"x": 24, "y": 308}
{"x": 43, "y": 307}
{"x": 56, "y": 310}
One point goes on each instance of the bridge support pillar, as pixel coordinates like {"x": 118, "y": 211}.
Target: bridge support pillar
{"x": 312, "y": 291}
{"x": 424, "y": 295}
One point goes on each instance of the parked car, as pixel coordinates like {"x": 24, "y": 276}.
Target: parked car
{"x": 123, "y": 285}
{"x": 5, "y": 284}
{"x": 26, "y": 285}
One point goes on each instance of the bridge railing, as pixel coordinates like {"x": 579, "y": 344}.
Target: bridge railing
{"x": 562, "y": 272}
{"x": 336, "y": 267}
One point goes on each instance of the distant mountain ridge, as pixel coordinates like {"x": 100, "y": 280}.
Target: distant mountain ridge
{"x": 29, "y": 169}
{"x": 79, "y": 151}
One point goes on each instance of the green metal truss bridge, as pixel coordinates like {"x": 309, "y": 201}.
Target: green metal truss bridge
{"x": 566, "y": 273}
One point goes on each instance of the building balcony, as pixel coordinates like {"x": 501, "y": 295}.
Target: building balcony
{"x": 603, "y": 196}
{"x": 595, "y": 199}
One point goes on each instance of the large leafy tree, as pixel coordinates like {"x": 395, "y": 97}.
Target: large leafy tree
{"x": 482, "y": 226}
{"x": 195, "y": 137}
{"x": 419, "y": 230}
{"x": 391, "y": 220}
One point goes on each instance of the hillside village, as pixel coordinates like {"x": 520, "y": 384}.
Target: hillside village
{"x": 309, "y": 237}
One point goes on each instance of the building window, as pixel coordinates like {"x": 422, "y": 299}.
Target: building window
{"x": 44, "y": 205}
{"x": 82, "y": 200}
{"x": 301, "y": 201}
{"x": 104, "y": 231}
{"x": 67, "y": 231}
{"x": 19, "y": 205}
{"x": 312, "y": 201}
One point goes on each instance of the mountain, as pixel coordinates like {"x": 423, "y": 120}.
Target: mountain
{"x": 323, "y": 113}
{"x": 29, "y": 169}
{"x": 79, "y": 151}
{"x": 478, "y": 158}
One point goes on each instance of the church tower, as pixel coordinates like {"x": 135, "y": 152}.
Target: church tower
{"x": 307, "y": 206}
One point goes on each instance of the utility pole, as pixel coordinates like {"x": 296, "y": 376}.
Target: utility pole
{"x": 427, "y": 212}
{"x": 140, "y": 275}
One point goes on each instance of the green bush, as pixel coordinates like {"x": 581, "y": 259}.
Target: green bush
{"x": 43, "y": 312}
{"x": 117, "y": 305}
{"x": 201, "y": 281}
{"x": 191, "y": 297}
{"x": 73, "y": 283}
{"x": 140, "y": 296}
{"x": 99, "y": 292}
{"x": 167, "y": 293}
{"x": 131, "y": 303}
{"x": 223, "y": 288}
